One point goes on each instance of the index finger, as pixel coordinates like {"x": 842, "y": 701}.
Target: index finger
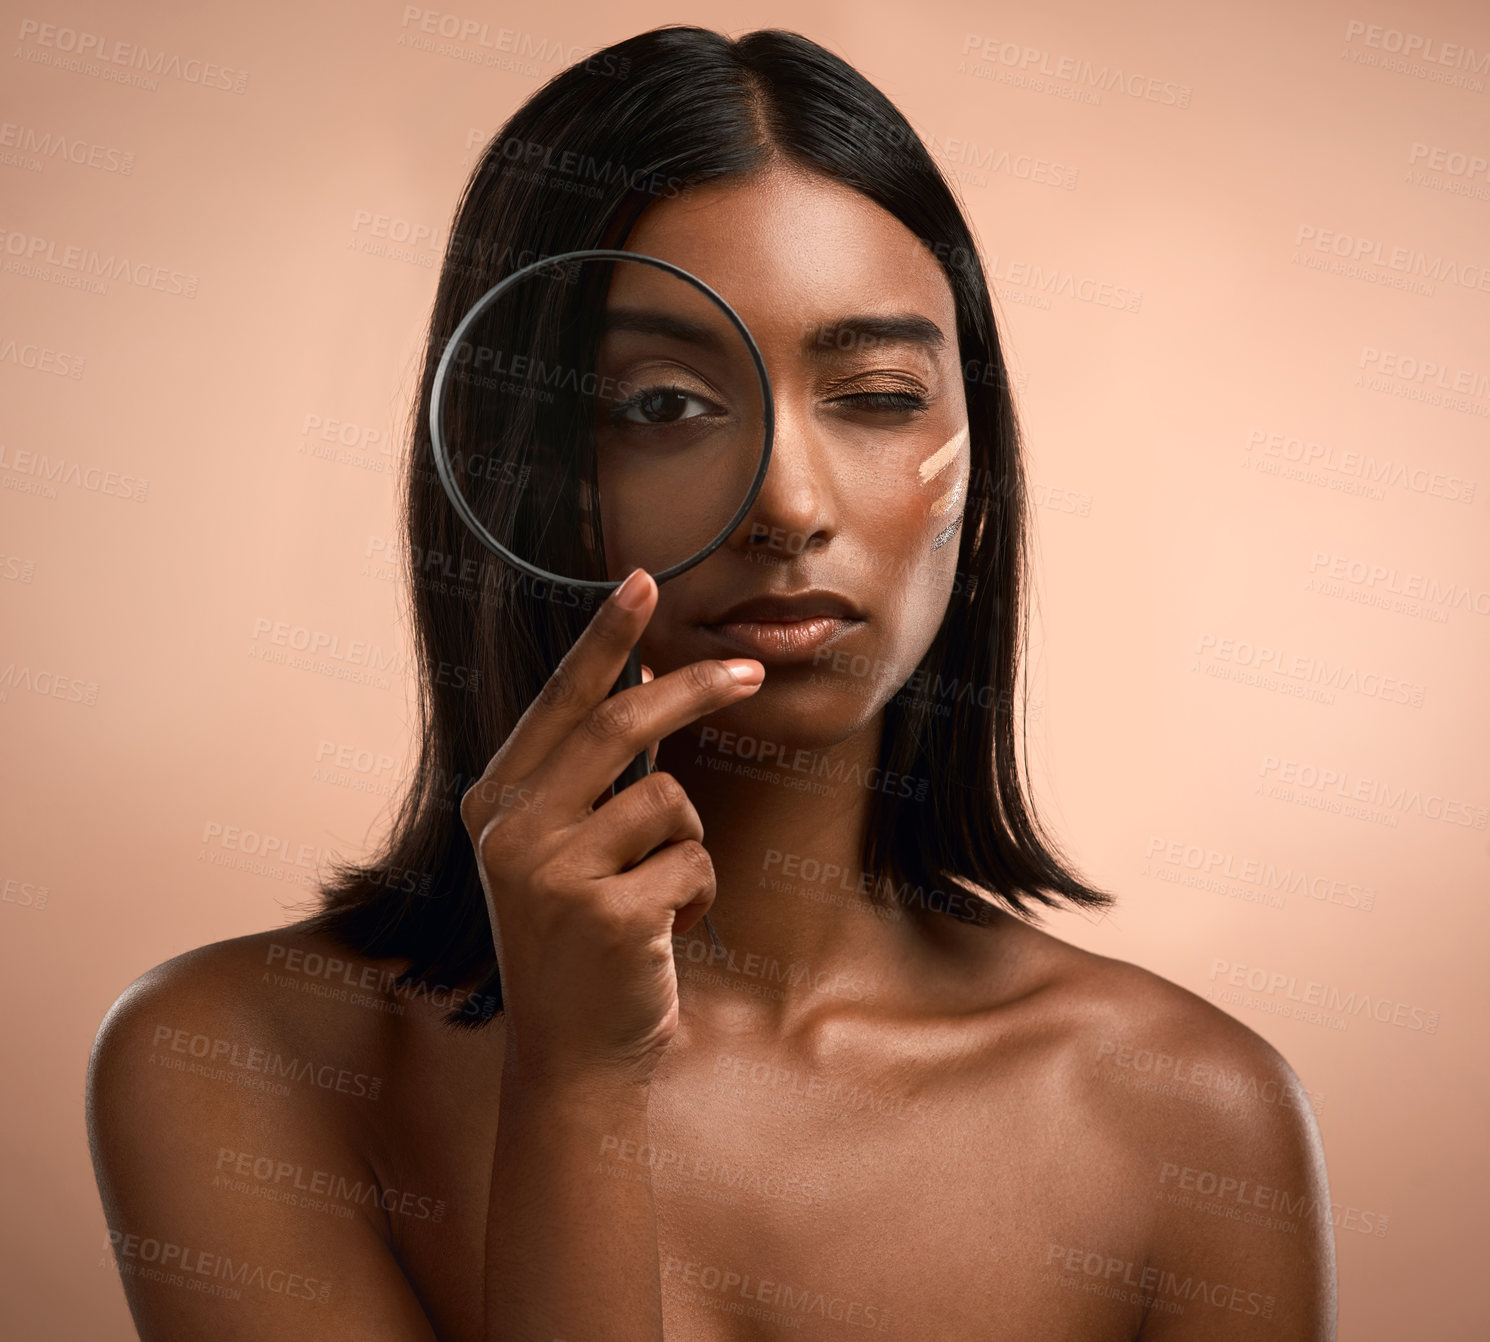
{"x": 583, "y": 677}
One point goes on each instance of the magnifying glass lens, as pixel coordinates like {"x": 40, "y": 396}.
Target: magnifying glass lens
{"x": 600, "y": 414}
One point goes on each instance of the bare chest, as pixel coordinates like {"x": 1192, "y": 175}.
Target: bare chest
{"x": 842, "y": 1203}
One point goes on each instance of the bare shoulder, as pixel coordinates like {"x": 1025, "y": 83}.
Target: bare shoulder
{"x": 229, "y": 1114}
{"x": 248, "y": 1033}
{"x": 1149, "y": 1044}
{"x": 237, "y": 1009}
{"x": 1216, "y": 1146}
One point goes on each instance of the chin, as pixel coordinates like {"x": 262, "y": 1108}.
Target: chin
{"x": 790, "y": 715}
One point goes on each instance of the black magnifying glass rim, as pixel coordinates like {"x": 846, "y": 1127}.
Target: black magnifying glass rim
{"x": 437, "y": 414}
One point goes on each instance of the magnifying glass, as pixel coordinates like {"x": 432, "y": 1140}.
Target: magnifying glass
{"x": 598, "y": 410}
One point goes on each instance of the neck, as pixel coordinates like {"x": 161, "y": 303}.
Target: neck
{"x": 798, "y": 931}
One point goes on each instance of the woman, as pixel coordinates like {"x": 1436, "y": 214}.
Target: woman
{"x": 502, "y": 1085}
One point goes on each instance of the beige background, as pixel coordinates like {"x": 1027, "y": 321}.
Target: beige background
{"x": 1163, "y": 441}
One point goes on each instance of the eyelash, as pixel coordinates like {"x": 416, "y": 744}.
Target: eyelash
{"x": 887, "y": 400}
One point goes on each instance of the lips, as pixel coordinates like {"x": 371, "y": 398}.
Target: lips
{"x": 786, "y": 628}
{"x": 789, "y": 608}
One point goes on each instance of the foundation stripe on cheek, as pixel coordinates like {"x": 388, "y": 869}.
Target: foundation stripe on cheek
{"x": 944, "y": 456}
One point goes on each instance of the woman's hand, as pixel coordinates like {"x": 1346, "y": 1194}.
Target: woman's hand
{"x": 582, "y": 917}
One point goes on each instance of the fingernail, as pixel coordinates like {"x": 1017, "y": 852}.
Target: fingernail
{"x": 631, "y": 593}
{"x": 746, "y": 672}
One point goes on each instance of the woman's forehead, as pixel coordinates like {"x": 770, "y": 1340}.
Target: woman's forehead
{"x": 789, "y": 249}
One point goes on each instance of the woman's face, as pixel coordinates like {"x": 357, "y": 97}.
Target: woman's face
{"x": 868, "y": 470}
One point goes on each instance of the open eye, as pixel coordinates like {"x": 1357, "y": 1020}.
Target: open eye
{"x": 659, "y": 405}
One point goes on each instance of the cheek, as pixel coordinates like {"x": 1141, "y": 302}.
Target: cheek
{"x": 915, "y": 522}
{"x": 942, "y": 479}
{"x": 634, "y": 537}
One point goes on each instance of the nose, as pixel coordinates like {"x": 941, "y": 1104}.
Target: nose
{"x": 797, "y": 507}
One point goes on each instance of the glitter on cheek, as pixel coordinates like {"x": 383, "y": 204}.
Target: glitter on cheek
{"x": 950, "y": 499}
{"x": 945, "y": 535}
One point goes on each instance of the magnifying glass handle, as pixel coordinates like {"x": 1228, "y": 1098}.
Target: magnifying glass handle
{"x": 641, "y": 766}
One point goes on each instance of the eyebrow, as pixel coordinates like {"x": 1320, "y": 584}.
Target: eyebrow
{"x": 828, "y": 340}
{"x": 837, "y": 339}
{"x": 647, "y": 321}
